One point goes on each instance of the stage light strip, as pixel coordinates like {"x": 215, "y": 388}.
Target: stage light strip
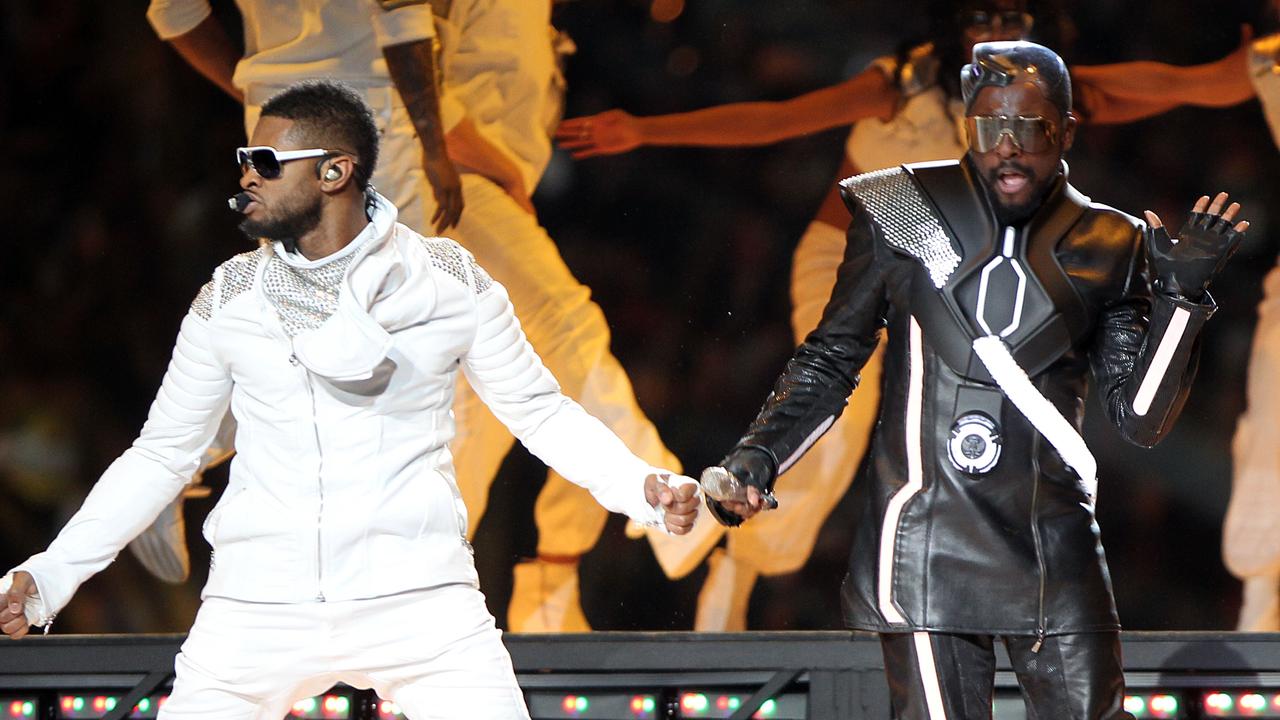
{"x": 1258, "y": 703}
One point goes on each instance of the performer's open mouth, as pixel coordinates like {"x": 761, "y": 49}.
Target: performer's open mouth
{"x": 1011, "y": 182}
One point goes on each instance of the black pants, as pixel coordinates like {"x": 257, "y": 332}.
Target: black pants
{"x": 937, "y": 676}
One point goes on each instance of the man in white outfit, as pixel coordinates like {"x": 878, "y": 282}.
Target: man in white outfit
{"x": 340, "y": 548}
{"x": 499, "y": 97}
{"x": 384, "y": 51}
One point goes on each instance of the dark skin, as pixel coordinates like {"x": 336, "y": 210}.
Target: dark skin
{"x": 342, "y": 202}
{"x": 1017, "y": 178}
{"x": 1011, "y": 186}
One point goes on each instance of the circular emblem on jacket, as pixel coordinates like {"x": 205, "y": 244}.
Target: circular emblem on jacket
{"x": 975, "y": 444}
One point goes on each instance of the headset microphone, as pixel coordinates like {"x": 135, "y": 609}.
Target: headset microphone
{"x": 239, "y": 202}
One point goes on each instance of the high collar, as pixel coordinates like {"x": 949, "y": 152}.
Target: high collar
{"x": 350, "y": 345}
{"x": 382, "y": 218}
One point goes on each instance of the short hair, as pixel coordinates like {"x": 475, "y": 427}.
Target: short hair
{"x": 333, "y": 116}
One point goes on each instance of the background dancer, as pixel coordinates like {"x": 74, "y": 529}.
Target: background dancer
{"x": 341, "y": 553}
{"x": 1001, "y": 287}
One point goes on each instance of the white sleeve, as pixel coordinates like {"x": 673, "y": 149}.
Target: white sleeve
{"x": 171, "y": 18}
{"x": 396, "y": 22}
{"x": 182, "y": 422}
{"x": 511, "y": 379}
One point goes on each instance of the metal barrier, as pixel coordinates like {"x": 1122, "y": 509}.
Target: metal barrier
{"x": 641, "y": 676}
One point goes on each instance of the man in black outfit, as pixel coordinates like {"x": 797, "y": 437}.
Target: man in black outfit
{"x": 1001, "y": 287}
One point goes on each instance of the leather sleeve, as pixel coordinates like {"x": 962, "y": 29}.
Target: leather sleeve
{"x": 512, "y": 381}
{"x": 816, "y": 383}
{"x": 1145, "y": 354}
{"x": 187, "y": 411}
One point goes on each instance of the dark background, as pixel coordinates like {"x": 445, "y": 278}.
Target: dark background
{"x": 117, "y": 159}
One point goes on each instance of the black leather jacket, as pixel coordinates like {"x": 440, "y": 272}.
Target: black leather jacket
{"x": 1013, "y": 549}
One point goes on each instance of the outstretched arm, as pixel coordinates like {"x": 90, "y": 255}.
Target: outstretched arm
{"x": 184, "y": 417}
{"x": 1124, "y": 92}
{"x": 869, "y": 94}
{"x": 814, "y": 387}
{"x": 189, "y": 27}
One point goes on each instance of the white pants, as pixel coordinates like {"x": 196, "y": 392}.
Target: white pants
{"x": 1251, "y": 529}
{"x": 436, "y": 653}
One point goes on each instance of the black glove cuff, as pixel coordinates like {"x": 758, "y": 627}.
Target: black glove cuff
{"x": 753, "y": 465}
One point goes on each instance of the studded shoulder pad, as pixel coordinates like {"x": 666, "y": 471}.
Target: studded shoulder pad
{"x": 451, "y": 258}
{"x": 907, "y": 221}
{"x": 232, "y": 278}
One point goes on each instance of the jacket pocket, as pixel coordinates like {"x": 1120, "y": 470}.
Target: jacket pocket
{"x": 214, "y": 519}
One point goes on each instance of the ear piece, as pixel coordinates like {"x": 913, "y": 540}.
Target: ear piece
{"x": 333, "y": 173}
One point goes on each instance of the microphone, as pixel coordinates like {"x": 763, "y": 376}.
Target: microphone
{"x": 239, "y": 201}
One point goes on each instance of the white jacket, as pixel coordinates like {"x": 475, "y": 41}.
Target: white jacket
{"x": 340, "y": 373}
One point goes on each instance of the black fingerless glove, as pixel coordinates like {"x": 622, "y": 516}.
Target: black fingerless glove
{"x": 1186, "y": 268}
{"x": 752, "y": 466}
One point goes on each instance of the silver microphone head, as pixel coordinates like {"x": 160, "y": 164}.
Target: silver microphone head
{"x": 722, "y": 485}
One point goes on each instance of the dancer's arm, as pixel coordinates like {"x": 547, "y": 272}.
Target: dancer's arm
{"x": 473, "y": 152}
{"x": 1123, "y": 92}
{"x": 191, "y": 29}
{"x": 405, "y": 32}
{"x": 868, "y": 94}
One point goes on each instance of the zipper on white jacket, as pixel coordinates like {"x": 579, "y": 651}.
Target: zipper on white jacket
{"x": 315, "y": 427}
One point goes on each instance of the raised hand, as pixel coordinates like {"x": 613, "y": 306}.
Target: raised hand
{"x": 607, "y": 133}
{"x": 1185, "y": 266}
